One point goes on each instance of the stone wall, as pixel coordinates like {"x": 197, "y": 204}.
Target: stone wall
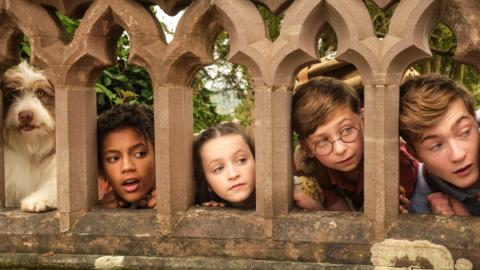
{"x": 273, "y": 231}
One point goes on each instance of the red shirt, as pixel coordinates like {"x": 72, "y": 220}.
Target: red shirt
{"x": 408, "y": 178}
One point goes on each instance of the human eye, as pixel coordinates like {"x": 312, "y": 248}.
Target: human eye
{"x": 112, "y": 159}
{"x": 323, "y": 142}
{"x": 465, "y": 133}
{"x": 218, "y": 169}
{"x": 347, "y": 131}
{"x": 435, "y": 147}
{"x": 140, "y": 154}
{"x": 241, "y": 160}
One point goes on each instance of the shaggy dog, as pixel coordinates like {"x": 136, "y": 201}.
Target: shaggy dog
{"x": 29, "y": 139}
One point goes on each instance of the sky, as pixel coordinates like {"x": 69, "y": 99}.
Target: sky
{"x": 170, "y": 21}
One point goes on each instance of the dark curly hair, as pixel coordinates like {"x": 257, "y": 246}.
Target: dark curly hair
{"x": 138, "y": 117}
{"x": 203, "y": 193}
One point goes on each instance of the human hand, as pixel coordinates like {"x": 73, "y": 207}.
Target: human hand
{"x": 109, "y": 200}
{"x": 152, "y": 202}
{"x": 404, "y": 201}
{"x": 305, "y": 202}
{"x": 213, "y": 204}
{"x": 442, "y": 204}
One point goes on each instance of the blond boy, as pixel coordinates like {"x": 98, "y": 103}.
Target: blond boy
{"x": 438, "y": 122}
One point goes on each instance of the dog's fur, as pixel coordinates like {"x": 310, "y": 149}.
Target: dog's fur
{"x": 29, "y": 139}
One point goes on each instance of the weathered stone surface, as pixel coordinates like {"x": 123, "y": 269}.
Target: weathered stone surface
{"x": 463, "y": 17}
{"x": 71, "y": 261}
{"x": 75, "y": 9}
{"x": 404, "y": 253}
{"x": 176, "y": 229}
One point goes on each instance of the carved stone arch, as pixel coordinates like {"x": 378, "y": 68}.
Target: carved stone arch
{"x": 73, "y": 8}
{"x": 463, "y": 17}
{"x": 11, "y": 37}
{"x": 147, "y": 39}
{"x": 352, "y": 24}
{"x": 303, "y": 23}
{"x": 249, "y": 44}
{"x": 192, "y": 45}
{"x": 296, "y": 46}
{"x": 407, "y": 38}
{"x": 47, "y": 38}
{"x": 94, "y": 46}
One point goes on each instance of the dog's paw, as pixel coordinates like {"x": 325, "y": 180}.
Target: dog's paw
{"x": 32, "y": 204}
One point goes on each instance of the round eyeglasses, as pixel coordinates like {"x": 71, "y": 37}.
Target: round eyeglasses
{"x": 347, "y": 135}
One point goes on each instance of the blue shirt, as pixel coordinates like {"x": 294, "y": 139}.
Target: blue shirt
{"x": 419, "y": 202}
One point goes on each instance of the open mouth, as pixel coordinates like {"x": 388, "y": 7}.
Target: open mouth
{"x": 131, "y": 185}
{"x": 236, "y": 186}
{"x": 464, "y": 170}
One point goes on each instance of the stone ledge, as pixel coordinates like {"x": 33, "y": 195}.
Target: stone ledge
{"x": 72, "y": 261}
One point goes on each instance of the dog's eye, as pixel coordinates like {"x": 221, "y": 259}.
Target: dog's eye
{"x": 40, "y": 93}
{"x": 15, "y": 93}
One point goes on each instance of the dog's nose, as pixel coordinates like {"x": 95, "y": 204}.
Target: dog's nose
{"x": 25, "y": 116}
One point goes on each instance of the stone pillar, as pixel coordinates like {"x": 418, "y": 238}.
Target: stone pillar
{"x": 76, "y": 152}
{"x": 381, "y": 158}
{"x": 273, "y": 147}
{"x": 173, "y": 152}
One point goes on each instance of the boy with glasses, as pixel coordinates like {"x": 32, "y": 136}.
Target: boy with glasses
{"x": 328, "y": 118}
{"x": 438, "y": 122}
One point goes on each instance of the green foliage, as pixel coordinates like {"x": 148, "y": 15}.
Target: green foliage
{"x": 327, "y": 41}
{"x": 123, "y": 83}
{"x": 221, "y": 80}
{"x": 381, "y": 19}
{"x": 25, "y": 48}
{"x": 272, "y": 22}
{"x": 204, "y": 114}
{"x": 70, "y": 24}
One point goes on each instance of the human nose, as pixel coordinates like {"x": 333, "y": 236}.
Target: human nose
{"x": 127, "y": 165}
{"x": 339, "y": 146}
{"x": 232, "y": 172}
{"x": 457, "y": 153}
